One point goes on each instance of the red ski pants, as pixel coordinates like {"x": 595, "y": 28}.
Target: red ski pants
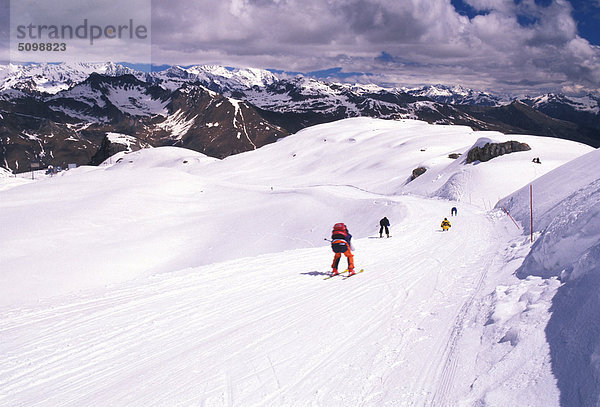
{"x": 337, "y": 256}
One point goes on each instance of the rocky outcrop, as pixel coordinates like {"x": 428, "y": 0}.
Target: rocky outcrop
{"x": 493, "y": 150}
{"x": 417, "y": 172}
{"x": 111, "y": 146}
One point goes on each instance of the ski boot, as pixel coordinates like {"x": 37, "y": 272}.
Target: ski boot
{"x": 334, "y": 272}
{"x": 351, "y": 272}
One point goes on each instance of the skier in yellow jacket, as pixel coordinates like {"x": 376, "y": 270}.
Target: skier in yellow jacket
{"x": 446, "y": 224}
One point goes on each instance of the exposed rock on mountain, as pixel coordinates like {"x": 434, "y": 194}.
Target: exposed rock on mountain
{"x": 418, "y": 172}
{"x": 114, "y": 143}
{"x": 71, "y": 126}
{"x": 493, "y": 150}
{"x": 584, "y": 111}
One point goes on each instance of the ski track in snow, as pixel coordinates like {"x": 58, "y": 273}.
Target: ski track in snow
{"x": 242, "y": 332}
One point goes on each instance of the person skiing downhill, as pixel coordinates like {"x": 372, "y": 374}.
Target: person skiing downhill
{"x": 340, "y": 244}
{"x": 384, "y": 224}
{"x": 445, "y": 224}
{"x": 454, "y": 211}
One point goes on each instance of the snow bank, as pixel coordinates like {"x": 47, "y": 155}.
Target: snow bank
{"x": 380, "y": 155}
{"x": 161, "y": 157}
{"x": 514, "y": 353}
{"x": 566, "y": 213}
{"x": 9, "y": 180}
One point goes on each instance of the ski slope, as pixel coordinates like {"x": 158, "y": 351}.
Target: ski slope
{"x": 270, "y": 329}
{"x": 172, "y": 279}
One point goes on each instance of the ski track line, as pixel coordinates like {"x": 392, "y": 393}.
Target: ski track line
{"x": 132, "y": 302}
{"x": 426, "y": 380}
{"x": 445, "y": 371}
{"x": 449, "y": 359}
{"x": 422, "y": 388}
{"x": 336, "y": 352}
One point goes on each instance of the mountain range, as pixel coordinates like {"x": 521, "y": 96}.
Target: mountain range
{"x": 81, "y": 113}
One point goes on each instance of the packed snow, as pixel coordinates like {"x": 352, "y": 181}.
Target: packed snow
{"x": 165, "y": 277}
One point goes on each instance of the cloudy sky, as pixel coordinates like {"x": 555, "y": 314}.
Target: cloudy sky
{"x": 515, "y": 46}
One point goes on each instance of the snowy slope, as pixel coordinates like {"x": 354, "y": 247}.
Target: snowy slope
{"x": 165, "y": 277}
{"x": 380, "y": 155}
{"x": 566, "y": 219}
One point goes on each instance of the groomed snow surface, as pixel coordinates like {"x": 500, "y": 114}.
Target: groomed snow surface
{"x": 168, "y": 278}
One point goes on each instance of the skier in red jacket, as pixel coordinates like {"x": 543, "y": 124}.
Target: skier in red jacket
{"x": 340, "y": 244}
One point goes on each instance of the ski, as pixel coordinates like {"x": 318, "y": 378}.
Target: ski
{"x": 335, "y": 275}
{"x": 359, "y": 271}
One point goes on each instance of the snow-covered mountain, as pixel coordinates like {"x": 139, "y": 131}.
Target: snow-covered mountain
{"x": 583, "y": 110}
{"x": 52, "y": 78}
{"x": 104, "y": 99}
{"x": 217, "y": 78}
{"x": 70, "y": 126}
{"x": 166, "y": 277}
{"x": 588, "y": 103}
{"x": 87, "y": 101}
{"x": 459, "y": 95}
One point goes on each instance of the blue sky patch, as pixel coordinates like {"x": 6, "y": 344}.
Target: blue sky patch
{"x": 465, "y": 9}
{"x": 587, "y": 15}
{"x": 526, "y": 21}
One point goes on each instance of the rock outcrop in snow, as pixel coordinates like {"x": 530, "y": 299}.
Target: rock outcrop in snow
{"x": 493, "y": 150}
{"x": 417, "y": 172}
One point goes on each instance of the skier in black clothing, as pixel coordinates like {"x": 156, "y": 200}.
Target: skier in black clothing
{"x": 384, "y": 224}
{"x": 454, "y": 211}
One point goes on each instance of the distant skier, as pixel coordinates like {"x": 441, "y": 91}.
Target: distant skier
{"x": 340, "y": 244}
{"x": 454, "y": 211}
{"x": 384, "y": 224}
{"x": 446, "y": 224}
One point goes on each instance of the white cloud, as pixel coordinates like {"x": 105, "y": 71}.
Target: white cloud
{"x": 426, "y": 38}
{"x": 81, "y": 31}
